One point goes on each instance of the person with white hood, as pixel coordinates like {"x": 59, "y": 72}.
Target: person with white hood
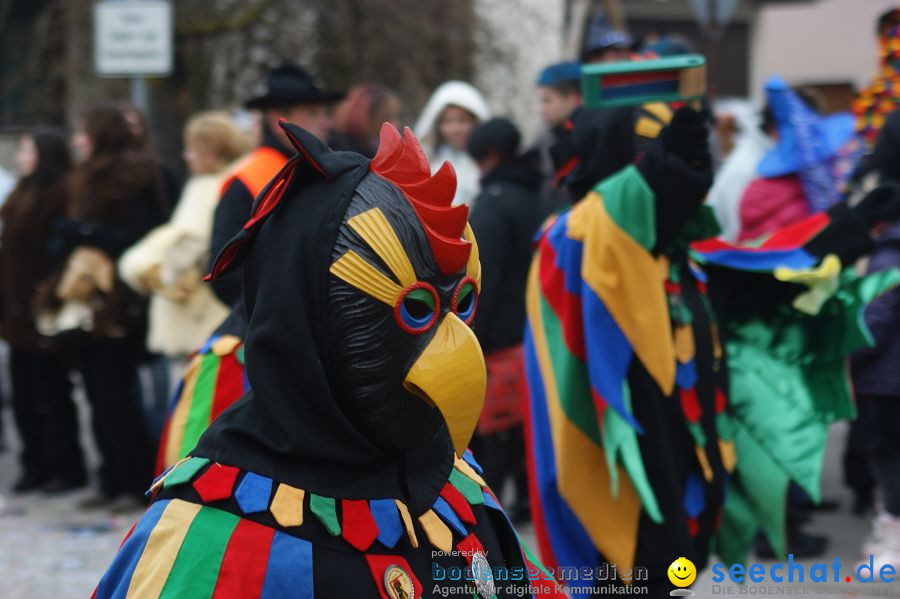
{"x": 450, "y": 115}
{"x": 739, "y": 168}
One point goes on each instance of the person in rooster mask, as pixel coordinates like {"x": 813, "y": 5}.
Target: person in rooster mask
{"x": 344, "y": 472}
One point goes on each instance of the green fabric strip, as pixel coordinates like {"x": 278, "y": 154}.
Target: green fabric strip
{"x": 196, "y": 567}
{"x": 184, "y": 472}
{"x": 467, "y": 487}
{"x": 324, "y": 510}
{"x": 697, "y": 433}
{"x": 620, "y": 439}
{"x": 629, "y": 202}
{"x": 201, "y": 403}
{"x": 571, "y": 376}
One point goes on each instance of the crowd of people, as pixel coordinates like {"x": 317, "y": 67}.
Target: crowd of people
{"x": 636, "y": 440}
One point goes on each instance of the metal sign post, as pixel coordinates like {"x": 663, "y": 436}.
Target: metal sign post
{"x": 133, "y": 38}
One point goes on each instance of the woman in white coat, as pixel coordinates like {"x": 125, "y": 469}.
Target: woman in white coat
{"x": 450, "y": 115}
{"x": 169, "y": 263}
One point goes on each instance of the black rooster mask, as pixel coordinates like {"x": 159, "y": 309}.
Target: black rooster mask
{"x": 360, "y": 281}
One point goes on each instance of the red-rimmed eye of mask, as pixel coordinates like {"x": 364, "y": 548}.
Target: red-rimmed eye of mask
{"x": 465, "y": 300}
{"x": 417, "y": 308}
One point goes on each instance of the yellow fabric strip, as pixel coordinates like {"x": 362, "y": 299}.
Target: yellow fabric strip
{"x": 159, "y": 482}
{"x": 373, "y": 226}
{"x": 716, "y": 343}
{"x": 159, "y": 555}
{"x": 436, "y": 531}
{"x": 473, "y": 267}
{"x": 354, "y": 270}
{"x": 660, "y": 110}
{"x": 684, "y": 343}
{"x": 647, "y": 127}
{"x": 628, "y": 281}
{"x": 729, "y": 455}
{"x": 407, "y": 523}
{"x": 182, "y": 409}
{"x": 704, "y": 463}
{"x": 287, "y": 505}
{"x": 464, "y": 467}
{"x": 225, "y": 344}
{"x": 583, "y": 478}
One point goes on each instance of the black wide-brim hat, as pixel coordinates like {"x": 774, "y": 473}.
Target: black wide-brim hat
{"x": 290, "y": 85}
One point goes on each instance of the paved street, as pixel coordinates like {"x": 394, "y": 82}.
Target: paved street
{"x": 49, "y": 549}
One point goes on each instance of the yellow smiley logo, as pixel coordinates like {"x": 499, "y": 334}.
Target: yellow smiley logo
{"x": 682, "y": 572}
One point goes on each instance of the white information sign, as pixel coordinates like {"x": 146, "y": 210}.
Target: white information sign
{"x": 133, "y": 38}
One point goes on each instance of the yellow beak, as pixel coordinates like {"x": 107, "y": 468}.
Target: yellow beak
{"x": 451, "y": 374}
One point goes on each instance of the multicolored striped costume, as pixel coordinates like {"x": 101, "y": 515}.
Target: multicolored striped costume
{"x": 632, "y": 434}
{"x": 216, "y": 531}
{"x": 214, "y": 380}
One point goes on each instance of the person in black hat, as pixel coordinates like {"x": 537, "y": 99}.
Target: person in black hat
{"x": 294, "y": 95}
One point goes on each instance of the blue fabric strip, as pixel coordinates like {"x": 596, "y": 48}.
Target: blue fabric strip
{"x": 571, "y": 544}
{"x": 470, "y": 460}
{"x": 114, "y": 584}
{"x": 686, "y": 375}
{"x": 758, "y": 260}
{"x": 446, "y": 512}
{"x": 387, "y": 518}
{"x": 253, "y": 493}
{"x": 694, "y": 495}
{"x": 290, "y": 569}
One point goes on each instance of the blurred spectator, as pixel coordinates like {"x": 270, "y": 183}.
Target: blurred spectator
{"x": 603, "y": 43}
{"x": 170, "y": 262}
{"x": 292, "y": 94}
{"x": 559, "y": 101}
{"x": 140, "y": 130}
{"x": 7, "y": 182}
{"x": 358, "y": 119}
{"x": 876, "y": 378}
{"x": 739, "y": 168}
{"x": 559, "y": 92}
{"x": 444, "y": 127}
{"x": 506, "y": 216}
{"x": 114, "y": 200}
{"x": 882, "y": 95}
{"x": 795, "y": 177}
{"x": 670, "y": 44}
{"x": 45, "y": 415}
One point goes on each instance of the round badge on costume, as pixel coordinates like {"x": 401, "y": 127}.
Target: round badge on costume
{"x": 482, "y": 576}
{"x": 398, "y": 583}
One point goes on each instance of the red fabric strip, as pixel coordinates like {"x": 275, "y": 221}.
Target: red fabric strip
{"x": 378, "y": 565}
{"x": 689, "y": 404}
{"x": 693, "y": 526}
{"x": 633, "y": 78}
{"x": 721, "y": 401}
{"x": 358, "y": 526}
{"x": 458, "y": 503}
{"x": 798, "y": 234}
{"x": 565, "y": 305}
{"x": 564, "y": 170}
{"x": 246, "y": 558}
{"x": 229, "y": 384}
{"x": 216, "y": 483}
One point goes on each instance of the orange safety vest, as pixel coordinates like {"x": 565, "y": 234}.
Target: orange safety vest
{"x": 256, "y": 170}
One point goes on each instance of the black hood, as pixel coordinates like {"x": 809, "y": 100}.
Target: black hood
{"x": 290, "y": 426}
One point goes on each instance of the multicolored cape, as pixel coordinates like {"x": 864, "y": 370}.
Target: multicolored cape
{"x": 216, "y": 531}
{"x": 214, "y": 380}
{"x": 613, "y": 331}
{"x": 789, "y": 378}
